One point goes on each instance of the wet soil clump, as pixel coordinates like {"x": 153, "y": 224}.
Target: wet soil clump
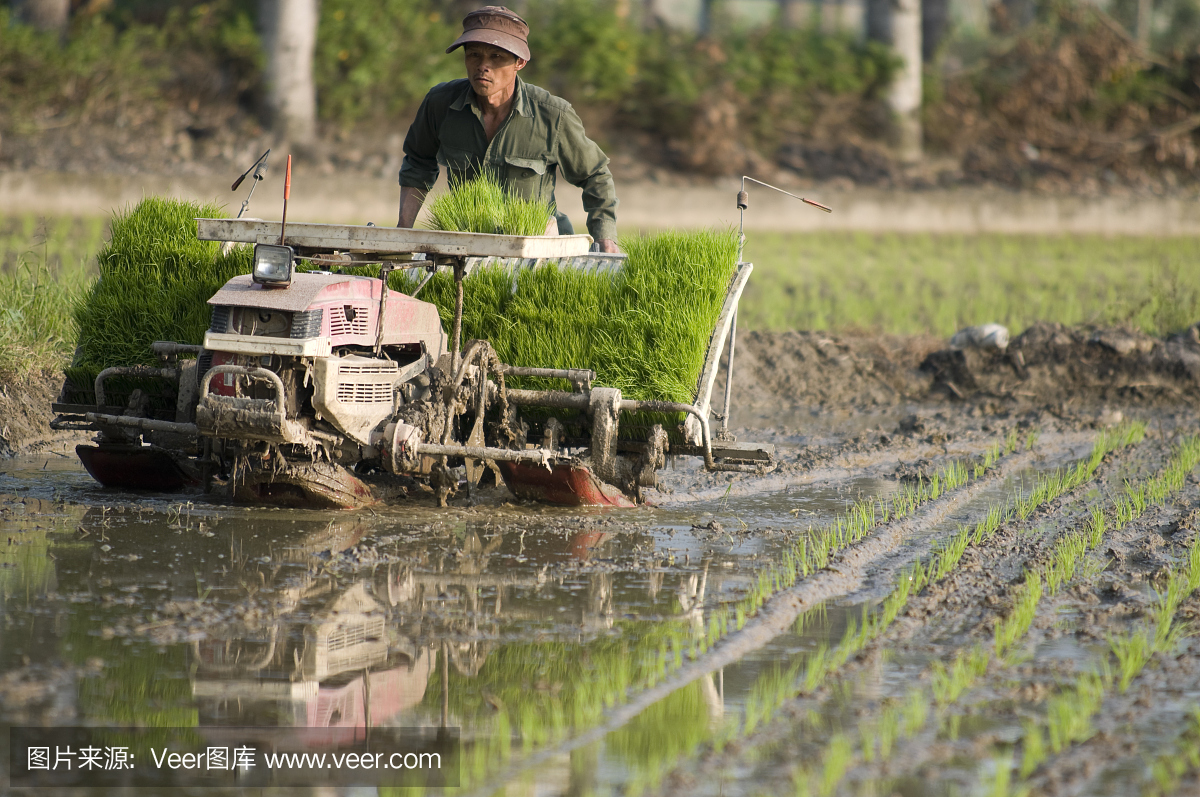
{"x": 1067, "y": 371}
{"x": 25, "y": 414}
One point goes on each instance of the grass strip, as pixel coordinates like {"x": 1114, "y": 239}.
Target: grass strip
{"x": 36, "y": 335}
{"x": 909, "y": 284}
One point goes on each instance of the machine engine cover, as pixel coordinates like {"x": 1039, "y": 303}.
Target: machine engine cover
{"x": 355, "y": 394}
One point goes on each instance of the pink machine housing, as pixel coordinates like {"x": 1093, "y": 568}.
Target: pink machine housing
{"x": 342, "y": 310}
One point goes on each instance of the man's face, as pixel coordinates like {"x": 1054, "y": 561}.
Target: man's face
{"x": 491, "y": 69}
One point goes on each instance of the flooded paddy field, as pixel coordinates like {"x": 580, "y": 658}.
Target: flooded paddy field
{"x": 929, "y": 596}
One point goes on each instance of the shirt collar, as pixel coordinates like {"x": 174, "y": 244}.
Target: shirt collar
{"x": 520, "y": 102}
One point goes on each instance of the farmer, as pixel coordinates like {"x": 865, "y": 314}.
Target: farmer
{"x": 494, "y": 120}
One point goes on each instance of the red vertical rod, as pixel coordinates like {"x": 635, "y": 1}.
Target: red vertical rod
{"x": 287, "y": 193}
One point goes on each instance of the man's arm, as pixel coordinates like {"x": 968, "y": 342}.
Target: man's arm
{"x": 581, "y": 162}
{"x": 411, "y": 200}
{"x": 419, "y": 170}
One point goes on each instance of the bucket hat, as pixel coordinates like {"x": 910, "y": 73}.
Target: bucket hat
{"x": 498, "y": 26}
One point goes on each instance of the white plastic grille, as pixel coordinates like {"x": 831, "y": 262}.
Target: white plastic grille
{"x": 355, "y": 634}
{"x": 348, "y": 320}
{"x": 364, "y": 393}
{"x": 381, "y": 368}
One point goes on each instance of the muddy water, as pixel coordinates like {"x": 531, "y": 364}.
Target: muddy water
{"x": 519, "y": 625}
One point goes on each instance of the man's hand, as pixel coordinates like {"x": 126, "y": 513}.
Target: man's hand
{"x": 608, "y": 246}
{"x": 411, "y": 200}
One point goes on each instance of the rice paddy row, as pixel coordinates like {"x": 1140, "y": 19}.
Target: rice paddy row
{"x": 812, "y": 552}
{"x": 907, "y": 718}
{"x": 808, "y": 673}
{"x": 1068, "y": 716}
{"x": 950, "y": 682}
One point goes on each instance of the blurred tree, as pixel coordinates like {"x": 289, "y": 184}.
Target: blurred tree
{"x": 789, "y": 13}
{"x": 897, "y": 23}
{"x": 51, "y": 15}
{"x": 935, "y": 22}
{"x": 289, "y": 29}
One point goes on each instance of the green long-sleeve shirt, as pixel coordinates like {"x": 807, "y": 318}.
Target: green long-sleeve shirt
{"x": 543, "y": 136}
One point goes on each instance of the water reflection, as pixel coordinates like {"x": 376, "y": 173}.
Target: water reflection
{"x": 522, "y": 636}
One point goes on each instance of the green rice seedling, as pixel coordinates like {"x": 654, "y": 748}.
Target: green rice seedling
{"x": 481, "y": 204}
{"x": 950, "y": 682}
{"x": 996, "y": 515}
{"x": 838, "y": 757}
{"x": 914, "y": 713}
{"x": 1000, "y": 782}
{"x": 868, "y": 735}
{"x": 815, "y": 667}
{"x": 1069, "y": 714}
{"x": 155, "y": 282}
{"x": 1132, "y": 653}
{"x": 1096, "y": 527}
{"x": 888, "y": 731}
{"x": 1192, "y": 572}
{"x": 948, "y": 557}
{"x": 1013, "y": 627}
{"x": 952, "y": 727}
{"x": 768, "y": 693}
{"x": 1033, "y": 747}
{"x": 1065, "y": 558}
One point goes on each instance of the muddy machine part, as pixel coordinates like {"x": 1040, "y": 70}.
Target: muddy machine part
{"x": 331, "y": 390}
{"x": 138, "y": 446}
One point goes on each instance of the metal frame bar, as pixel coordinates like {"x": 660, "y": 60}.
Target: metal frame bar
{"x": 262, "y": 374}
{"x": 708, "y": 375}
{"x": 130, "y": 370}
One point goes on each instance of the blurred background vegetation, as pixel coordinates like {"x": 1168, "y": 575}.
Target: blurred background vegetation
{"x": 1023, "y": 92}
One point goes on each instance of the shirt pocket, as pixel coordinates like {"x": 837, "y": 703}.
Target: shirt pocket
{"x": 526, "y": 177}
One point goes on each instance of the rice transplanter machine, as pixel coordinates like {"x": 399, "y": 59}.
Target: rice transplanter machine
{"x": 328, "y": 389}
